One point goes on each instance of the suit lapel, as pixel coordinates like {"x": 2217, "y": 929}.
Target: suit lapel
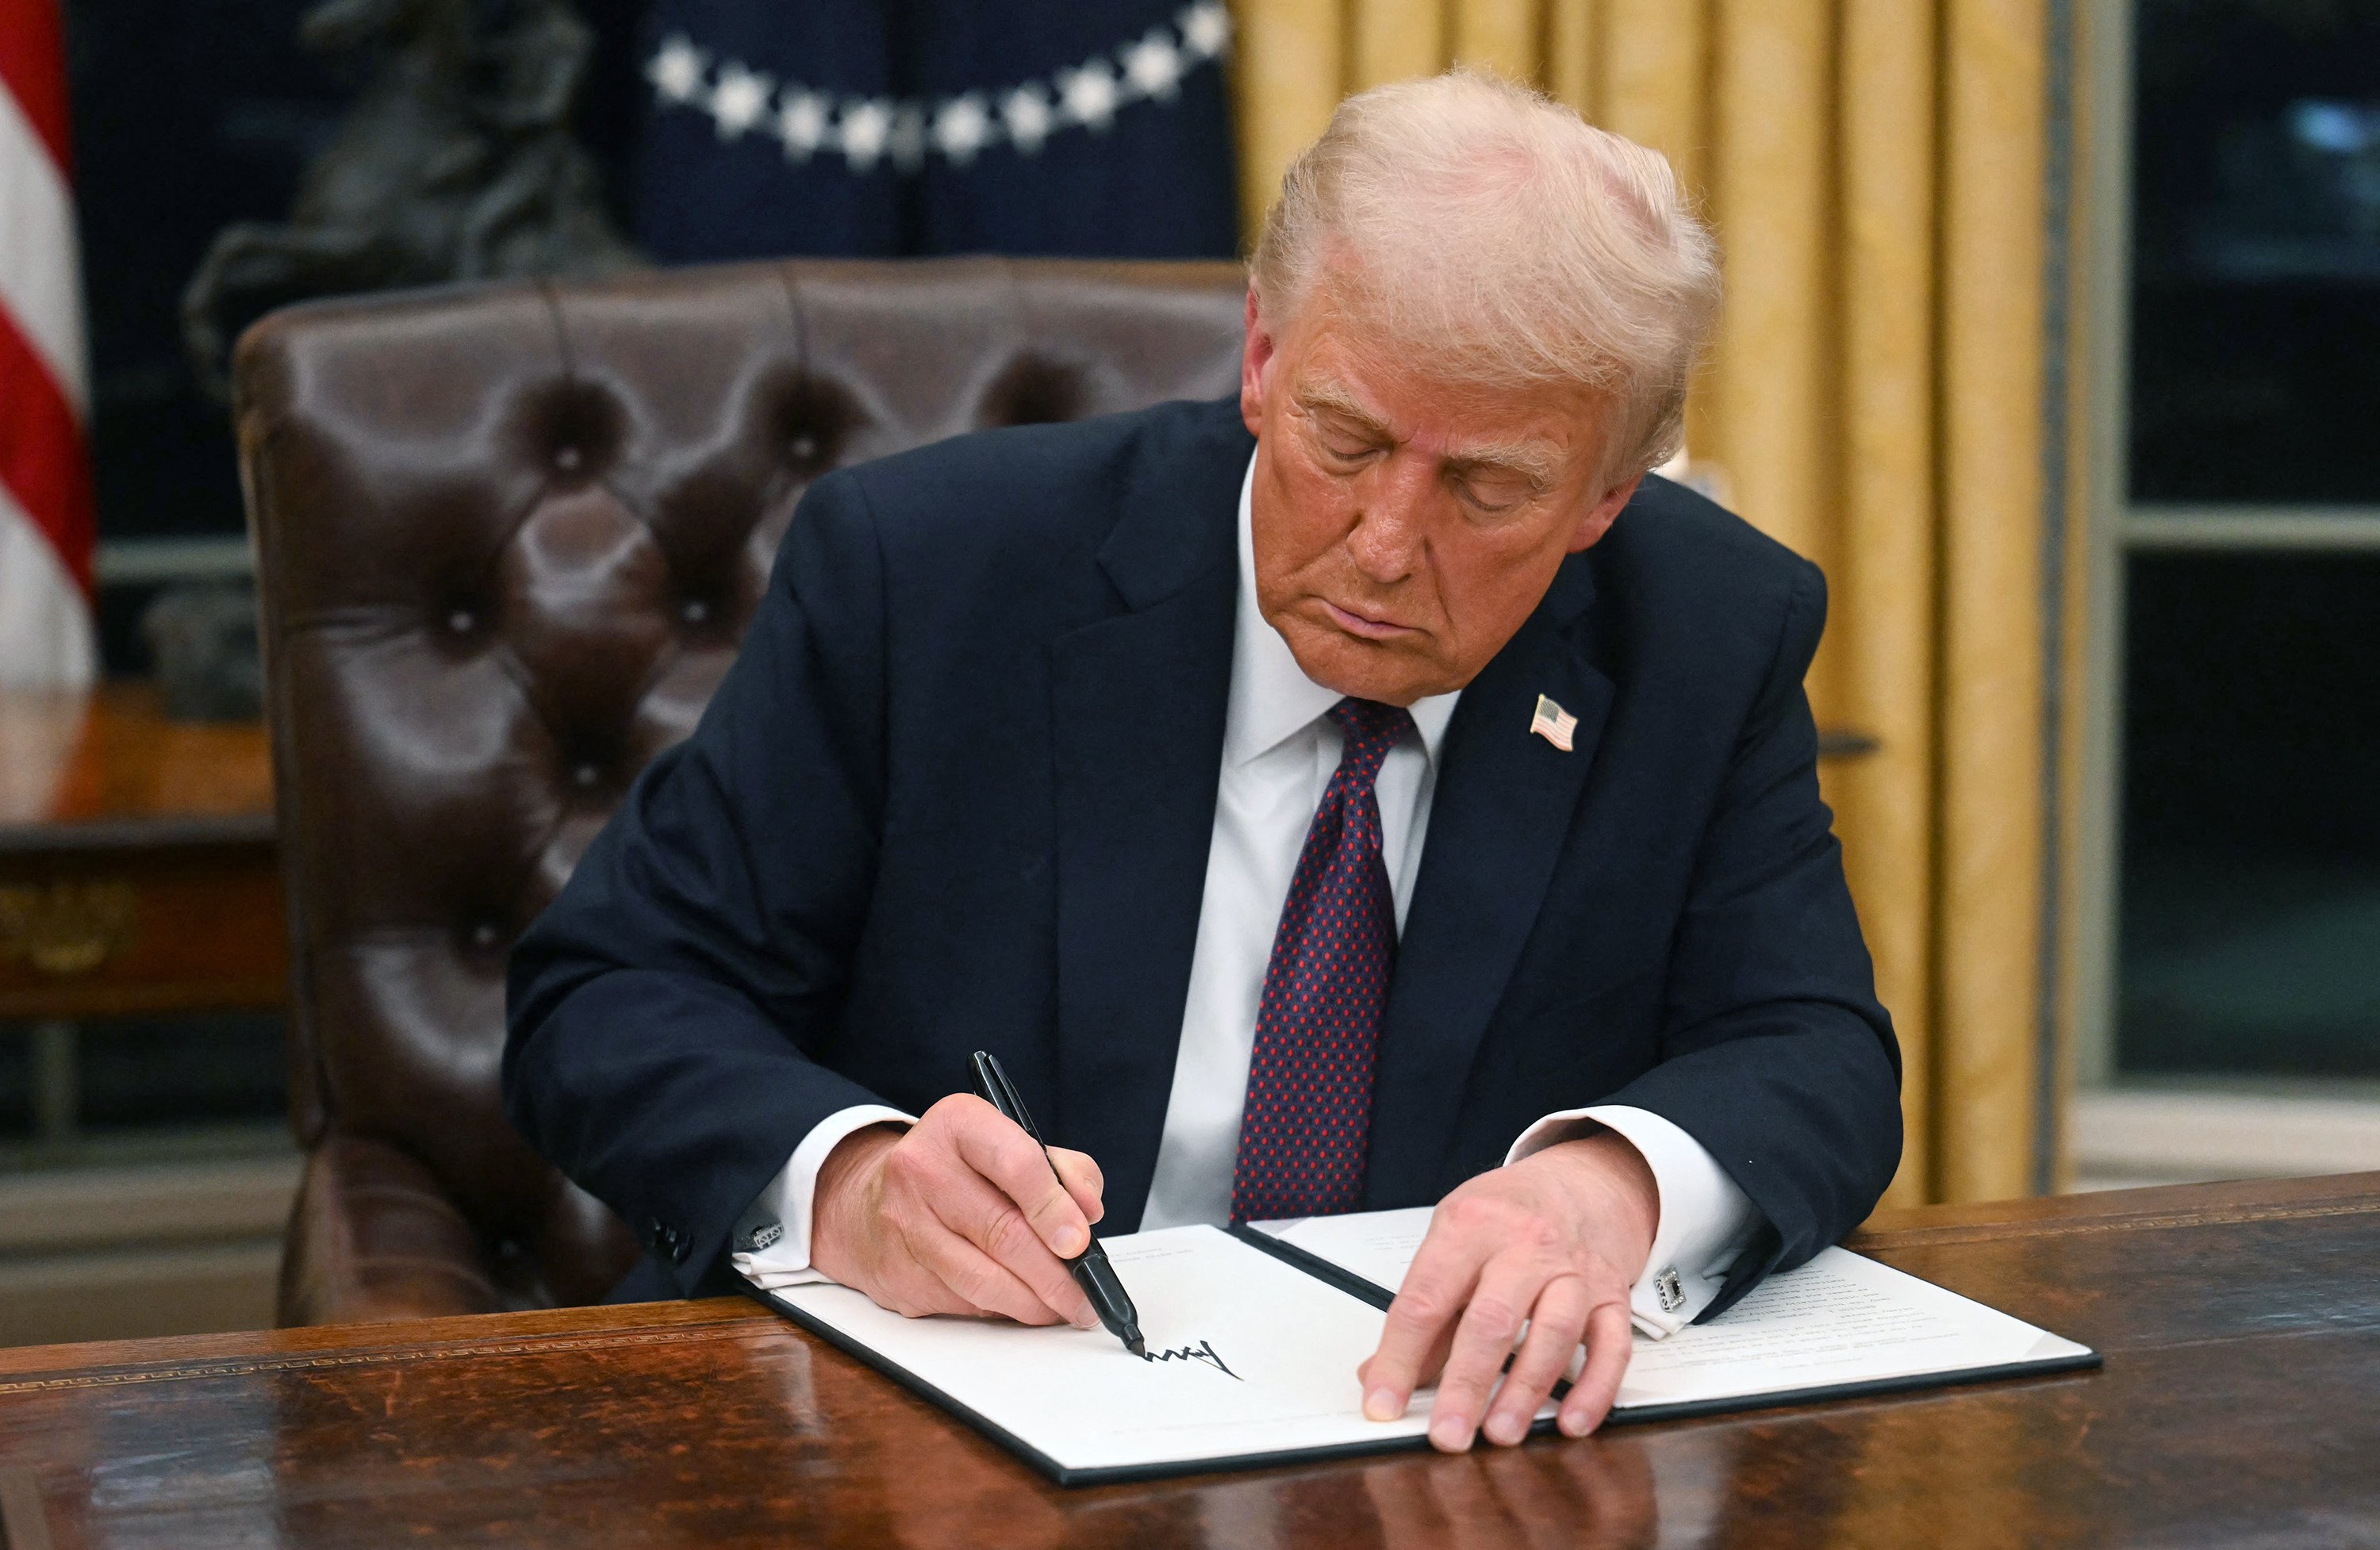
{"x": 1498, "y": 823}
{"x": 1138, "y": 705}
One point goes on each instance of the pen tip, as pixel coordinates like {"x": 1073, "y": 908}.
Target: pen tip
{"x": 1138, "y": 1346}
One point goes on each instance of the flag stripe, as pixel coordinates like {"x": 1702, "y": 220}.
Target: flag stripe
{"x": 32, "y": 70}
{"x": 45, "y": 638}
{"x": 41, "y": 454}
{"x": 39, "y": 271}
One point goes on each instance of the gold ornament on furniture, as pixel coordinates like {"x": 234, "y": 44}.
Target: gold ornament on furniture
{"x": 65, "y": 929}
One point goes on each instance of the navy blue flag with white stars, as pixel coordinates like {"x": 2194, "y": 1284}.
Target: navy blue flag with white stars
{"x": 895, "y": 127}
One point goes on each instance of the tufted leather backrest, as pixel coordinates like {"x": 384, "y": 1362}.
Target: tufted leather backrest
{"x": 509, "y": 538}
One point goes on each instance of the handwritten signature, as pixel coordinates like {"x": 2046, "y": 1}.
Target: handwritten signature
{"x": 1203, "y": 1352}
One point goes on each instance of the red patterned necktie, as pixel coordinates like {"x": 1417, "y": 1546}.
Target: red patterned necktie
{"x": 1309, "y": 1104}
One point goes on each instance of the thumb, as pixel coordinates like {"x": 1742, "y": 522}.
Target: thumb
{"x": 1083, "y": 1180}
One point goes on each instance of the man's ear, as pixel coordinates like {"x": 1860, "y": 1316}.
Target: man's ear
{"x": 1599, "y": 518}
{"x": 1255, "y": 356}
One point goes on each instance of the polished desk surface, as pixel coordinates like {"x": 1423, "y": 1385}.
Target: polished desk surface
{"x": 2239, "y": 1405}
{"x": 113, "y": 757}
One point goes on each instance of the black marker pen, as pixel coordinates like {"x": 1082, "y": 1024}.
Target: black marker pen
{"x": 1092, "y": 1272}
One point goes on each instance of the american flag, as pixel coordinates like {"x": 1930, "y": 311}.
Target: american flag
{"x": 45, "y": 505}
{"x": 1553, "y": 723}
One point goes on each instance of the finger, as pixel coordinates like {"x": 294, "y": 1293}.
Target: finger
{"x": 1556, "y": 1323}
{"x": 1083, "y": 1180}
{"x": 990, "y": 1221}
{"x": 980, "y": 1282}
{"x": 1018, "y": 1166}
{"x": 1433, "y": 1361}
{"x": 1482, "y": 1340}
{"x": 909, "y": 1289}
{"x": 1414, "y": 1337}
{"x": 1609, "y": 1346}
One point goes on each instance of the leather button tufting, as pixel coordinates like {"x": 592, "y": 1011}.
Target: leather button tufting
{"x": 578, "y": 540}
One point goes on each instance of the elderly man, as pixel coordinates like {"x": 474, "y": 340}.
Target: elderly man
{"x": 1377, "y": 793}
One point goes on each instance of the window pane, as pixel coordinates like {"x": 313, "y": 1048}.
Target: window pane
{"x": 2256, "y": 251}
{"x": 2251, "y": 871}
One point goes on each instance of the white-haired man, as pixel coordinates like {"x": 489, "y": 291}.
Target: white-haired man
{"x": 1377, "y": 793}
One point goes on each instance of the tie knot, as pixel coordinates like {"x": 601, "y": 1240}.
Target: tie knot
{"x": 1370, "y": 729}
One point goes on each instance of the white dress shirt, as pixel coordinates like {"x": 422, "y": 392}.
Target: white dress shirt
{"x": 1280, "y": 751}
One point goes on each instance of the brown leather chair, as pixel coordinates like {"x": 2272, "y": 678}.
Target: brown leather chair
{"x": 508, "y": 539}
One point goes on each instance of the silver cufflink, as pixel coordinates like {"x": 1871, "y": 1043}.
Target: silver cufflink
{"x": 1671, "y": 1292}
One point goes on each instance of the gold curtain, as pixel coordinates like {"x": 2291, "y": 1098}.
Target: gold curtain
{"x": 1874, "y": 171}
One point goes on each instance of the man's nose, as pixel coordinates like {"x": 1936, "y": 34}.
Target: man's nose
{"x": 1386, "y": 541}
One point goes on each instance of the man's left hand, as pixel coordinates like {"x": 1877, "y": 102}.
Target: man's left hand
{"x": 1555, "y": 1240}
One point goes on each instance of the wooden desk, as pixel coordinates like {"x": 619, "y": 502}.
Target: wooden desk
{"x": 2240, "y": 1403}
{"x": 137, "y": 861}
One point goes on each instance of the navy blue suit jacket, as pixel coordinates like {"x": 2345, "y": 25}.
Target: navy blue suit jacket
{"x": 957, "y": 791}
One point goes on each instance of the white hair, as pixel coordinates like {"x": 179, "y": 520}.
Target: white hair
{"x": 1490, "y": 232}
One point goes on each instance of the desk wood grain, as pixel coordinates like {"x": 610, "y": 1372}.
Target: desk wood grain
{"x": 2239, "y": 1404}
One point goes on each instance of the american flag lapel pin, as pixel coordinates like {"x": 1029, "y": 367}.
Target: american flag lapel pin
{"x": 1553, "y": 723}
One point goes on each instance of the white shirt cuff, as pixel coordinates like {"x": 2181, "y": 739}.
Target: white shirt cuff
{"x": 1706, "y": 1217}
{"x": 777, "y": 1227}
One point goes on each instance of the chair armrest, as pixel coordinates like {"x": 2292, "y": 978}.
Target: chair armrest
{"x": 374, "y": 1238}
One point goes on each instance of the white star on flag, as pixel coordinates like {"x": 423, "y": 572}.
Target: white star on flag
{"x": 801, "y": 123}
{"x": 1027, "y": 112}
{"x": 1153, "y": 66}
{"x": 866, "y": 131}
{"x": 1205, "y": 28}
{"x": 866, "y": 127}
{"x": 960, "y": 128}
{"x": 1090, "y": 94}
{"x": 676, "y": 71}
{"x": 1553, "y": 723}
{"x": 739, "y": 101}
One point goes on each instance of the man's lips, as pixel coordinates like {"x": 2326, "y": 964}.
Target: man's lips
{"x": 1358, "y": 625}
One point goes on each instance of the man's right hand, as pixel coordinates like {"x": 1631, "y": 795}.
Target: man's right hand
{"x": 959, "y": 1214}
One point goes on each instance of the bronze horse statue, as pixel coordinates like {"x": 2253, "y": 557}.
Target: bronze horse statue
{"x": 456, "y": 163}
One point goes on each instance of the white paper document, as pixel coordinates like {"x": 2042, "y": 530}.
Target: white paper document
{"x": 1840, "y": 1320}
{"x": 1253, "y": 1358}
{"x": 1377, "y": 1245}
{"x": 1248, "y": 1357}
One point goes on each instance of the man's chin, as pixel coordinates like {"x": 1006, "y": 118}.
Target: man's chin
{"x": 1384, "y": 670}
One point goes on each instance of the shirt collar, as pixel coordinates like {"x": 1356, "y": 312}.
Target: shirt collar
{"x": 1271, "y": 698}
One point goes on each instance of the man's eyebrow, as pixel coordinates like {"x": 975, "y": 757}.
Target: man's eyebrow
{"x": 1525, "y": 460}
{"x": 1331, "y": 398}
{"x": 1528, "y": 462}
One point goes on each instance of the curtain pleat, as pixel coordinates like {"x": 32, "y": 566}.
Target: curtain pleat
{"x": 1654, "y": 78}
{"x": 1574, "y": 54}
{"x": 1288, "y": 72}
{"x": 1771, "y": 198}
{"x": 1500, "y": 35}
{"x": 1987, "y": 905}
{"x": 1882, "y": 633}
{"x": 1393, "y": 40}
{"x": 1874, "y": 171}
